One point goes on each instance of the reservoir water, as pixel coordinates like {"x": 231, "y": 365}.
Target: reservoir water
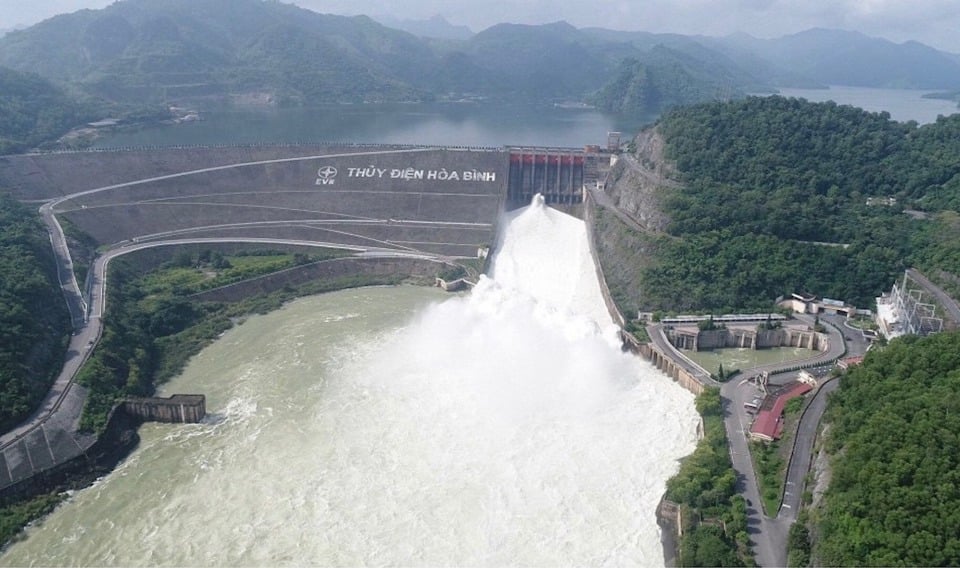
{"x": 902, "y": 104}
{"x": 455, "y": 124}
{"x": 464, "y": 124}
{"x": 399, "y": 426}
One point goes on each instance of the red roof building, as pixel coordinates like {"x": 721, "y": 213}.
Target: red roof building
{"x": 769, "y": 423}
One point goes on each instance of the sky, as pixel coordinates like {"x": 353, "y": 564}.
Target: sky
{"x": 933, "y": 22}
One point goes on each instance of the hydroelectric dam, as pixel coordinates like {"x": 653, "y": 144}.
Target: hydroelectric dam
{"x": 400, "y": 209}
{"x": 423, "y": 200}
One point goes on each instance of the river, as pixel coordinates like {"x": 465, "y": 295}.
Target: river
{"x": 399, "y": 426}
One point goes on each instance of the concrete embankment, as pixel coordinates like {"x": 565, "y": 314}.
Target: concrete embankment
{"x": 334, "y": 269}
{"x": 76, "y": 465}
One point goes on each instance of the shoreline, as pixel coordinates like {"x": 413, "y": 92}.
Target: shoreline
{"x": 120, "y": 436}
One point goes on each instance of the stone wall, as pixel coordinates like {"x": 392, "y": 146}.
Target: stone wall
{"x": 118, "y": 439}
{"x": 697, "y": 340}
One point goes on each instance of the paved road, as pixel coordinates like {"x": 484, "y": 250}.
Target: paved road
{"x": 802, "y": 455}
{"x": 769, "y": 535}
{"x": 84, "y": 334}
{"x": 87, "y": 316}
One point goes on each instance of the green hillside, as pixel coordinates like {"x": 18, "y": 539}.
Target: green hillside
{"x": 162, "y": 50}
{"x": 34, "y": 322}
{"x": 172, "y": 50}
{"x": 33, "y": 110}
{"x": 894, "y": 493}
{"x": 664, "y": 78}
{"x": 776, "y": 198}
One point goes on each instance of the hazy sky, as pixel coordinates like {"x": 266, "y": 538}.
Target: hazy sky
{"x": 934, "y": 22}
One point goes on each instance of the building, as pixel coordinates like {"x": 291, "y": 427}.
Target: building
{"x": 810, "y": 304}
{"x": 769, "y": 423}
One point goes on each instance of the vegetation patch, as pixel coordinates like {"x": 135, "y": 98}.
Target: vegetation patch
{"x": 766, "y": 181}
{"x": 894, "y": 495}
{"x": 715, "y": 517}
{"x": 14, "y": 516}
{"x": 34, "y": 321}
{"x": 151, "y": 327}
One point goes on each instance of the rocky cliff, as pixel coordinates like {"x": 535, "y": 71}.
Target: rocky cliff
{"x": 630, "y": 220}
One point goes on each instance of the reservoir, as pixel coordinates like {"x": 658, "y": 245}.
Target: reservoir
{"x": 465, "y": 124}
{"x": 401, "y": 426}
{"x": 902, "y": 104}
{"x": 440, "y": 124}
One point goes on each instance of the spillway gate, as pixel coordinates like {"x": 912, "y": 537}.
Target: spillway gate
{"x": 558, "y": 174}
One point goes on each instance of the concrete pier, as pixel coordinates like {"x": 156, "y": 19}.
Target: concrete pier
{"x": 177, "y": 409}
{"x": 685, "y": 374}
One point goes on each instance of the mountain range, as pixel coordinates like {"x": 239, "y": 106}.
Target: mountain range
{"x": 174, "y": 50}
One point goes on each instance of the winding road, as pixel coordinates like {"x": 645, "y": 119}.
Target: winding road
{"x": 50, "y": 435}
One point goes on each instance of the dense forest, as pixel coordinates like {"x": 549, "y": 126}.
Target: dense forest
{"x": 33, "y": 111}
{"x": 894, "y": 495}
{"x": 662, "y": 79}
{"x": 34, "y": 321}
{"x": 781, "y": 195}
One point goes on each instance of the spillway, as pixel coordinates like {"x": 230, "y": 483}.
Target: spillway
{"x": 395, "y": 426}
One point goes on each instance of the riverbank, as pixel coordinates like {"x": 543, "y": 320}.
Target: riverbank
{"x": 151, "y": 334}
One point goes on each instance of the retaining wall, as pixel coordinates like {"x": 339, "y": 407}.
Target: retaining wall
{"x": 325, "y": 269}
{"x": 697, "y": 340}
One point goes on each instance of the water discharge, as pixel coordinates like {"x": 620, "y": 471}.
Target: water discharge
{"x": 501, "y": 427}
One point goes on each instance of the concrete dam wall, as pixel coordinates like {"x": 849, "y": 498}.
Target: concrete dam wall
{"x": 426, "y": 200}
{"x": 441, "y": 201}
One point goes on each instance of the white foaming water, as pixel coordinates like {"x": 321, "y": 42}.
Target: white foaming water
{"x": 497, "y": 428}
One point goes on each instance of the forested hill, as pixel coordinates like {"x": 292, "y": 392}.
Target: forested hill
{"x": 34, "y": 322}
{"x": 665, "y": 78}
{"x": 894, "y": 495}
{"x": 170, "y": 50}
{"x": 33, "y": 110}
{"x": 781, "y": 195}
{"x": 173, "y": 50}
